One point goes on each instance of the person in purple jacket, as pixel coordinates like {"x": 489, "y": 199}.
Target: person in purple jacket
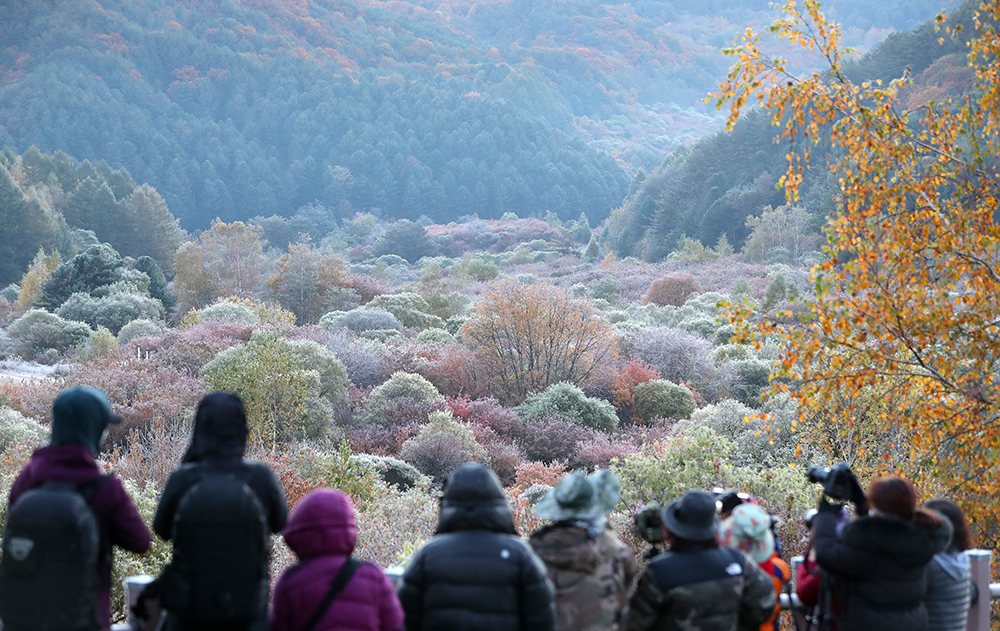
{"x": 79, "y": 419}
{"x": 322, "y": 533}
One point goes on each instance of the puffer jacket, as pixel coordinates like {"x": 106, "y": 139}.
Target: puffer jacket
{"x": 949, "y": 591}
{"x": 701, "y": 588}
{"x": 322, "y": 533}
{"x": 878, "y": 565}
{"x": 591, "y": 575}
{"x": 476, "y": 573}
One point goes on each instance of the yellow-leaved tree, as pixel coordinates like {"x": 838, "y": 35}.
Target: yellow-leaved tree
{"x": 906, "y": 304}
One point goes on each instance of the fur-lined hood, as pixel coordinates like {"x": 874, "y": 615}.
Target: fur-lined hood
{"x": 906, "y": 542}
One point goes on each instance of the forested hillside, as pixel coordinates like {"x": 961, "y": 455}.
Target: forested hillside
{"x": 710, "y": 188}
{"x": 237, "y": 109}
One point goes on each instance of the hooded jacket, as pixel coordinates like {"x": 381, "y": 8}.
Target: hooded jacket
{"x": 476, "y": 573}
{"x": 591, "y": 575}
{"x": 218, "y": 444}
{"x": 322, "y": 533}
{"x": 219, "y": 441}
{"x": 878, "y": 564}
{"x": 703, "y": 587}
{"x": 76, "y": 435}
{"x": 949, "y": 591}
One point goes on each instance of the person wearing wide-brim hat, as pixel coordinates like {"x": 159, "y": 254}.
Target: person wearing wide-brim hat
{"x": 698, "y": 584}
{"x": 591, "y": 569}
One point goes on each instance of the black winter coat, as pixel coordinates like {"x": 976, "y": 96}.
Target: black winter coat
{"x": 879, "y": 566}
{"x": 476, "y": 573}
{"x": 218, "y": 443}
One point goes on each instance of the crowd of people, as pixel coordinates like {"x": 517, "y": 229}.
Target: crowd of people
{"x": 895, "y": 565}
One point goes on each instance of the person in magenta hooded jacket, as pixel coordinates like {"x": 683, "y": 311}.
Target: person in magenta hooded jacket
{"x": 321, "y": 531}
{"x": 79, "y": 418}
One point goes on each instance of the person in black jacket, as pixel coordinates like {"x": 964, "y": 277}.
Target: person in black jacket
{"x": 878, "y": 562}
{"x": 476, "y": 573}
{"x": 219, "y": 511}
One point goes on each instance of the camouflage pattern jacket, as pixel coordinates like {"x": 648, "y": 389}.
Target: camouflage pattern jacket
{"x": 592, "y": 576}
{"x": 701, "y": 589}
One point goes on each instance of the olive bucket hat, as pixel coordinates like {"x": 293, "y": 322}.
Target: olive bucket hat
{"x": 579, "y": 496}
{"x": 692, "y": 517}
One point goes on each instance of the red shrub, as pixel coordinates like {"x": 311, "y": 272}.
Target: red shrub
{"x": 504, "y": 455}
{"x": 380, "y": 441}
{"x": 597, "y": 451}
{"x": 635, "y": 372}
{"x": 489, "y": 413}
{"x": 531, "y": 473}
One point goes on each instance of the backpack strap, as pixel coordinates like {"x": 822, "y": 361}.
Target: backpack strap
{"x": 337, "y": 586}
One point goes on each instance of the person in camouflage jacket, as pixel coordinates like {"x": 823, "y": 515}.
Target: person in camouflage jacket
{"x": 699, "y": 585}
{"x": 591, "y": 569}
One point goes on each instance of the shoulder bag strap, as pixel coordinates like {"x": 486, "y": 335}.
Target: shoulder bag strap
{"x": 337, "y": 586}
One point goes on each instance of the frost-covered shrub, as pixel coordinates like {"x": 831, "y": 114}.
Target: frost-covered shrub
{"x": 152, "y": 562}
{"x": 753, "y": 377}
{"x": 227, "y": 312}
{"x": 579, "y": 290}
{"x": 570, "y": 401}
{"x": 409, "y": 308}
{"x": 17, "y": 429}
{"x": 39, "y": 331}
{"x": 553, "y": 438}
{"x": 660, "y": 398}
{"x": 616, "y": 317}
{"x": 11, "y": 292}
{"x": 112, "y": 311}
{"x": 435, "y": 336}
{"x": 606, "y": 290}
{"x": 488, "y": 412}
{"x": 139, "y": 328}
{"x": 402, "y": 388}
{"x": 683, "y": 358}
{"x": 442, "y": 446}
{"x": 100, "y": 344}
{"x": 365, "y": 360}
{"x": 476, "y": 268}
{"x": 732, "y": 352}
{"x": 758, "y": 444}
{"x": 672, "y": 289}
{"x": 392, "y": 470}
{"x": 359, "y": 320}
{"x": 332, "y": 374}
{"x": 379, "y": 335}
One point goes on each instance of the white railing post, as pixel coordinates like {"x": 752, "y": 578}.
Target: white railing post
{"x": 979, "y": 613}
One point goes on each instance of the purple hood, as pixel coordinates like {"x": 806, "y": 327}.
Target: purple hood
{"x": 322, "y": 524}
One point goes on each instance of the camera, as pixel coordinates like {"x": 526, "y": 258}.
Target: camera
{"x": 838, "y": 481}
{"x": 648, "y": 523}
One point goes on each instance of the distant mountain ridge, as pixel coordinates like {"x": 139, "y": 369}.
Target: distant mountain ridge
{"x": 234, "y": 109}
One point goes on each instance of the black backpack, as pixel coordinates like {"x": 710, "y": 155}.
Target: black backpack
{"x": 51, "y": 554}
{"x": 220, "y": 564}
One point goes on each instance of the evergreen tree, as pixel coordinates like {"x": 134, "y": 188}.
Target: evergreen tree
{"x": 158, "y": 287}
{"x": 85, "y": 272}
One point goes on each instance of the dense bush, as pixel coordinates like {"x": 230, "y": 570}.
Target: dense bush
{"x": 282, "y": 392}
{"x": 570, "y": 402}
{"x": 476, "y": 268}
{"x": 409, "y": 309}
{"x": 660, "y": 398}
{"x": 17, "y": 429}
{"x": 683, "y": 358}
{"x": 554, "y": 438}
{"x": 753, "y": 377}
{"x": 39, "y": 334}
{"x": 442, "y": 446}
{"x": 757, "y": 443}
{"x": 435, "y": 336}
{"x": 226, "y": 311}
{"x": 360, "y": 320}
{"x": 402, "y": 389}
{"x": 139, "y": 328}
{"x": 672, "y": 289}
{"x": 332, "y": 374}
{"x": 392, "y": 470}
{"x": 113, "y": 311}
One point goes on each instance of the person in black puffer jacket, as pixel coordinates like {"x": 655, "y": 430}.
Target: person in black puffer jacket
{"x": 476, "y": 573}
{"x": 879, "y": 561}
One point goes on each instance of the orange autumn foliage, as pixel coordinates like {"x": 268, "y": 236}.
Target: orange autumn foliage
{"x": 906, "y": 303}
